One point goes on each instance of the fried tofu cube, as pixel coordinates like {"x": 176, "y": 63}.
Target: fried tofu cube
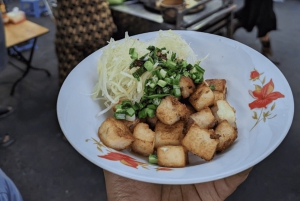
{"x": 187, "y": 86}
{"x": 114, "y": 134}
{"x": 227, "y": 134}
{"x": 201, "y": 142}
{"x": 144, "y": 139}
{"x": 202, "y": 97}
{"x": 223, "y": 111}
{"x": 219, "y": 86}
{"x": 219, "y": 96}
{"x": 170, "y": 110}
{"x": 172, "y": 156}
{"x": 204, "y": 118}
{"x": 168, "y": 134}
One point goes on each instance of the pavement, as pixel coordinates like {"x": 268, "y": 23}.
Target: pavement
{"x": 45, "y": 167}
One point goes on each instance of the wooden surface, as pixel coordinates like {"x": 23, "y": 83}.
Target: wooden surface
{"x": 18, "y": 33}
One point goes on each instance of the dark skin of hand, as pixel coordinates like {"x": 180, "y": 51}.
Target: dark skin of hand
{"x": 123, "y": 189}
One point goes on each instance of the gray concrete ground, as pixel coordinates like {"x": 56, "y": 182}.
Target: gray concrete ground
{"x": 44, "y": 167}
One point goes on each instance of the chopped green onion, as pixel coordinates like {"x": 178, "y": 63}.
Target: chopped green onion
{"x": 152, "y": 85}
{"x": 175, "y": 81}
{"x": 156, "y": 96}
{"x": 166, "y": 90}
{"x": 133, "y": 53}
{"x": 173, "y": 56}
{"x": 170, "y": 64}
{"x": 119, "y": 110}
{"x": 156, "y": 101}
{"x": 127, "y": 103}
{"x": 135, "y": 107}
{"x": 139, "y": 105}
{"x": 212, "y": 87}
{"x": 130, "y": 112}
{"x": 184, "y": 63}
{"x": 119, "y": 106}
{"x": 186, "y": 74}
{"x": 120, "y": 116}
{"x": 155, "y": 78}
{"x": 143, "y": 113}
{"x": 150, "y": 112}
{"x": 163, "y": 73}
{"x": 130, "y": 118}
{"x": 151, "y": 48}
{"x": 152, "y": 158}
{"x": 177, "y": 92}
{"x": 151, "y": 106}
{"x": 139, "y": 72}
{"x": 162, "y": 83}
{"x": 168, "y": 80}
{"x": 199, "y": 69}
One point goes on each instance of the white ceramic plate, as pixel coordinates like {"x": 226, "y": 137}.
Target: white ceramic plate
{"x": 260, "y": 130}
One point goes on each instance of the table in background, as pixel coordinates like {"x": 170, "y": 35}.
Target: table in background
{"x": 16, "y": 34}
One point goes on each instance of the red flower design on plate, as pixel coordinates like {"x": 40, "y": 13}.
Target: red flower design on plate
{"x": 263, "y": 94}
{"x": 163, "y": 169}
{"x": 123, "y": 158}
{"x": 126, "y": 160}
{"x": 254, "y": 75}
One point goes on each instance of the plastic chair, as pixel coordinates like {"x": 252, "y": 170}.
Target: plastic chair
{"x": 33, "y": 7}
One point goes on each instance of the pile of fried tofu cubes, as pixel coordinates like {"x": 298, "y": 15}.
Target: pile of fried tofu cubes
{"x": 201, "y": 122}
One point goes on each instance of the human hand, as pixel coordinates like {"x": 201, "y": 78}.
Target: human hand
{"x": 122, "y": 189}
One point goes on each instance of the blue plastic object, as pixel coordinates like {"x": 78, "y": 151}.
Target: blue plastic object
{"x": 23, "y": 47}
{"x": 33, "y": 7}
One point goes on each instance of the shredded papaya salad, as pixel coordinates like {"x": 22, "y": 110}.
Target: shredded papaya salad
{"x": 134, "y": 76}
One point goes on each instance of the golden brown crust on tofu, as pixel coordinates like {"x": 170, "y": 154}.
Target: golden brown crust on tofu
{"x": 219, "y": 96}
{"x": 187, "y": 86}
{"x": 227, "y": 134}
{"x": 202, "y": 97}
{"x": 172, "y": 156}
{"x": 204, "y": 118}
{"x": 223, "y": 111}
{"x": 220, "y": 89}
{"x": 168, "y": 134}
{"x": 191, "y": 109}
{"x": 144, "y": 139}
{"x": 219, "y": 84}
{"x": 199, "y": 142}
{"x": 171, "y": 110}
{"x": 114, "y": 134}
{"x": 188, "y": 123}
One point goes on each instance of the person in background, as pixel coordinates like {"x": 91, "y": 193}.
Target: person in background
{"x": 260, "y": 14}
{"x": 82, "y": 27}
{"x": 8, "y": 190}
{"x": 122, "y": 189}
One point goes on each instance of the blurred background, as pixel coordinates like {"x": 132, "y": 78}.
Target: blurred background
{"x": 44, "y": 166}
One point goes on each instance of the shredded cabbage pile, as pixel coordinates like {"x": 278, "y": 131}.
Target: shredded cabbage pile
{"x": 116, "y": 82}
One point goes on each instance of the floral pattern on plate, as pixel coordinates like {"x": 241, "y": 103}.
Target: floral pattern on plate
{"x": 264, "y": 95}
{"x": 113, "y": 155}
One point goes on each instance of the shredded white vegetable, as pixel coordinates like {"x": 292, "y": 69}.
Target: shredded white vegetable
{"x": 116, "y": 82}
